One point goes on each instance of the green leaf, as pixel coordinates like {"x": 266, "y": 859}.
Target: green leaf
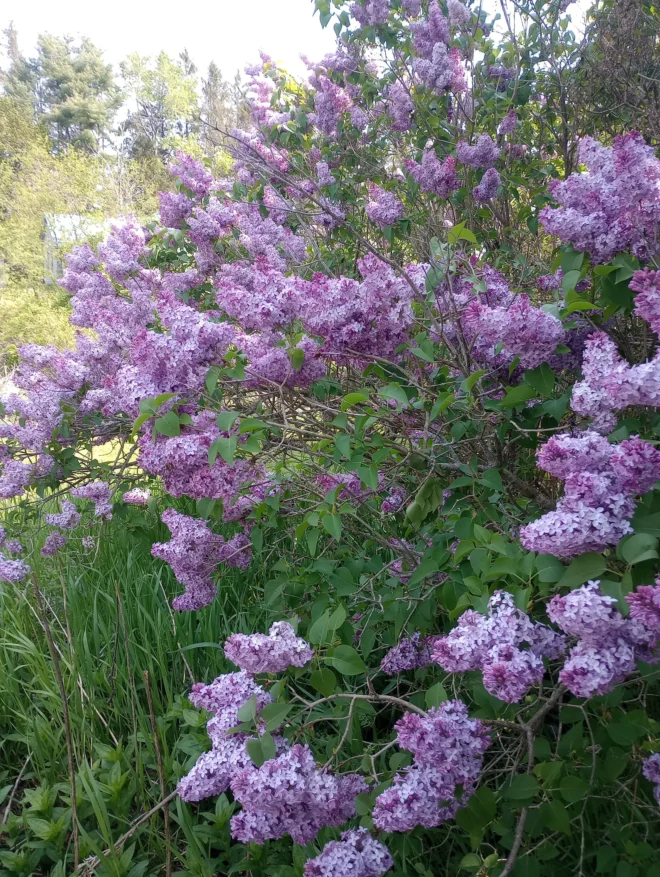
{"x": 226, "y": 447}
{"x": 472, "y": 379}
{"x": 492, "y": 478}
{"x": 626, "y": 733}
{"x": 347, "y": 661}
{"x": 343, "y": 445}
{"x": 436, "y": 695}
{"x": 518, "y": 395}
{"x": 248, "y": 711}
{"x": 639, "y": 547}
{"x": 250, "y": 424}
{"x": 573, "y": 789}
{"x": 168, "y": 425}
{"x": 394, "y": 391}
{"x": 541, "y": 378}
{"x": 426, "y": 568}
{"x": 297, "y": 357}
{"x": 351, "y": 399}
{"x": 255, "y": 751}
{"x": 274, "y": 714}
{"x": 570, "y": 280}
{"x": 460, "y": 233}
{"x": 332, "y": 523}
{"x": 583, "y": 569}
{"x": 550, "y": 568}
{"x": 521, "y": 788}
{"x": 581, "y": 305}
{"x": 268, "y": 749}
{"x": 226, "y": 419}
{"x": 555, "y": 817}
{"x": 324, "y": 681}
{"x": 470, "y": 862}
{"x": 441, "y": 404}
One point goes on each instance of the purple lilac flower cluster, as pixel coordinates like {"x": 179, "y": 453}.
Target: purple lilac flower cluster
{"x": 651, "y": 770}
{"x": 67, "y": 518}
{"x": 383, "y": 207}
{"x": 600, "y": 483}
{"x": 608, "y": 645}
{"x": 448, "y": 749}
{"x": 505, "y": 645}
{"x": 409, "y": 654}
{"x": 11, "y": 570}
{"x": 194, "y": 552}
{"x": 101, "y": 495}
{"x": 487, "y": 188}
{"x": 137, "y": 496}
{"x": 483, "y": 154}
{"x": 614, "y": 205}
{"x": 272, "y": 653}
{"x": 434, "y": 176}
{"x": 357, "y": 854}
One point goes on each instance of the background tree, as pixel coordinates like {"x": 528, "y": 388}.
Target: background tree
{"x": 71, "y": 89}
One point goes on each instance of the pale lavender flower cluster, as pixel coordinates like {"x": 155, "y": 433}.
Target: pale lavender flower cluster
{"x": 448, "y": 749}
{"x": 194, "y": 552}
{"x": 349, "y": 483}
{"x": 645, "y": 606}
{"x": 434, "y": 176}
{"x": 393, "y": 501}
{"x": 459, "y": 14}
{"x": 610, "y": 384}
{"x": 289, "y": 795}
{"x": 409, "y": 654}
{"x": 383, "y": 207}
{"x": 401, "y": 106}
{"x": 614, "y": 205}
{"x": 651, "y": 770}
{"x": 212, "y": 773}
{"x": 357, "y": 854}
{"x": 486, "y": 190}
{"x": 271, "y": 653}
{"x": 54, "y": 542}
{"x": 137, "y": 496}
{"x": 524, "y": 330}
{"x": 67, "y": 518}
{"x": 508, "y": 124}
{"x": 12, "y": 571}
{"x": 371, "y": 12}
{"x": 505, "y": 645}
{"x": 501, "y": 75}
{"x": 101, "y": 495}
{"x": 483, "y": 154}
{"x": 608, "y": 646}
{"x": 646, "y": 284}
{"x": 601, "y": 481}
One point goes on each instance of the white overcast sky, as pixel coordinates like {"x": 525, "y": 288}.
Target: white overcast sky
{"x": 229, "y": 32}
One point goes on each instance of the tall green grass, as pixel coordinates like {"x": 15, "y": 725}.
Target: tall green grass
{"x": 110, "y": 616}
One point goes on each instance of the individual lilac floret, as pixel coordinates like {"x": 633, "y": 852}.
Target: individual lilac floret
{"x": 137, "y": 496}
{"x": 289, "y": 795}
{"x": 272, "y": 653}
{"x": 67, "y": 518}
{"x": 383, "y": 207}
{"x": 651, "y": 770}
{"x": 357, "y": 854}
{"x": 54, "y": 542}
{"x": 100, "y": 493}
{"x": 409, "y": 654}
{"x": 13, "y": 571}
{"x": 448, "y": 747}
{"x": 493, "y": 644}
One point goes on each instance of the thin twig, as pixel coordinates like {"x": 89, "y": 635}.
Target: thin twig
{"x": 90, "y": 865}
{"x": 14, "y": 789}
{"x": 161, "y": 776}
{"x": 67, "y": 722}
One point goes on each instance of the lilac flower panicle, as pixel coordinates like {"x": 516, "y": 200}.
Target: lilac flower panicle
{"x": 486, "y": 190}
{"x": 508, "y": 124}
{"x": 289, "y": 795}
{"x": 100, "y": 493}
{"x": 67, "y": 518}
{"x": 483, "y": 154}
{"x": 272, "y": 653}
{"x": 54, "y": 542}
{"x": 493, "y": 644}
{"x": 13, "y": 571}
{"x": 13, "y": 546}
{"x": 357, "y": 854}
{"x": 408, "y": 654}
{"x": 646, "y": 284}
{"x": 645, "y": 607}
{"x": 137, "y": 496}
{"x": 383, "y": 207}
{"x": 651, "y": 770}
